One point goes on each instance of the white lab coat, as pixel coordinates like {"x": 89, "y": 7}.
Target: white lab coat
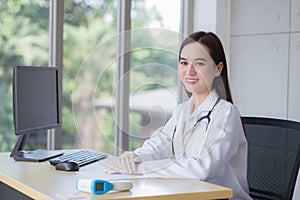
{"x": 217, "y": 155}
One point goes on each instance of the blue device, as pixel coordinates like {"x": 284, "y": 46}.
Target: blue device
{"x": 96, "y": 186}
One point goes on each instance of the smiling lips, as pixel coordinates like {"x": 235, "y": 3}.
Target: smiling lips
{"x": 191, "y": 80}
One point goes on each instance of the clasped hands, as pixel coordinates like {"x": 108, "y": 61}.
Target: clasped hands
{"x": 127, "y": 163}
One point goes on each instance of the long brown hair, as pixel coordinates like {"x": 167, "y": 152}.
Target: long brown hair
{"x": 216, "y": 52}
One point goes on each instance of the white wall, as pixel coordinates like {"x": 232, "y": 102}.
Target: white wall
{"x": 265, "y": 59}
{"x": 260, "y": 57}
{"x": 262, "y": 43}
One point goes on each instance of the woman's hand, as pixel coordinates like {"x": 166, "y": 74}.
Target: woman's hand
{"x": 127, "y": 163}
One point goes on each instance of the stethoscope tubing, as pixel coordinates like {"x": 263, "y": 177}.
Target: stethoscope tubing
{"x": 196, "y": 124}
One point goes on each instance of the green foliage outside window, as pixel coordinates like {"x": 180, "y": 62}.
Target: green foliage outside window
{"x": 24, "y": 40}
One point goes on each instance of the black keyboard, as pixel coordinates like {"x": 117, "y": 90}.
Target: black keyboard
{"x": 81, "y": 157}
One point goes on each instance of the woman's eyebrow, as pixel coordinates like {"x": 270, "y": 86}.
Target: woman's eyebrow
{"x": 203, "y": 59}
{"x": 196, "y": 59}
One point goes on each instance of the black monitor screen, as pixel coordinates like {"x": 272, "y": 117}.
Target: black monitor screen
{"x": 36, "y": 98}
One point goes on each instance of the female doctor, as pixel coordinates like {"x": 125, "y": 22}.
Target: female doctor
{"x": 204, "y": 138}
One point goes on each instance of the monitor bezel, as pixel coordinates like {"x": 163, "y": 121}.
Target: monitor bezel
{"x": 19, "y": 131}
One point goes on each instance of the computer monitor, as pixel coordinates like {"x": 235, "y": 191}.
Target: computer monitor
{"x": 36, "y": 106}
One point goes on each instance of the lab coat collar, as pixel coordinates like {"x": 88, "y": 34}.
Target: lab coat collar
{"x": 204, "y": 108}
{"x": 187, "y": 121}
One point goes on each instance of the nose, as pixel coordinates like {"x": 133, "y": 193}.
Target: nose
{"x": 191, "y": 69}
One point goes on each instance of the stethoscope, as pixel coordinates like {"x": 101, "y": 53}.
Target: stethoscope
{"x": 207, "y": 116}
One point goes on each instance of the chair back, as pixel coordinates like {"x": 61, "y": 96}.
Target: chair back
{"x": 273, "y": 157}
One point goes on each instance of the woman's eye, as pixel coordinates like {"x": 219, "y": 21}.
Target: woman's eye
{"x": 183, "y": 63}
{"x": 199, "y": 64}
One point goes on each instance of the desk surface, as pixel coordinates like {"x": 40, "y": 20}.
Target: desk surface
{"x": 40, "y": 180}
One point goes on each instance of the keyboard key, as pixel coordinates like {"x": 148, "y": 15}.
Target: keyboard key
{"x": 81, "y": 157}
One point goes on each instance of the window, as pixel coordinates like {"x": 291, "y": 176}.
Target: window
{"x": 153, "y": 67}
{"x": 24, "y": 40}
{"x": 89, "y": 66}
{"x": 87, "y": 27}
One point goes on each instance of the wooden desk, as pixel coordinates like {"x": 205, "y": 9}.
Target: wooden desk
{"x": 42, "y": 181}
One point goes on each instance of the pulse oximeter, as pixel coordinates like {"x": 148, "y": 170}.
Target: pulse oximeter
{"x": 96, "y": 186}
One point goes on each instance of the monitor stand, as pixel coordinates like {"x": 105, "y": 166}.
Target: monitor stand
{"x": 38, "y": 155}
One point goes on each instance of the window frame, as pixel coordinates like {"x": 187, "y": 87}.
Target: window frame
{"x": 56, "y": 19}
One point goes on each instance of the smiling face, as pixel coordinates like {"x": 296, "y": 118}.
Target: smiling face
{"x": 197, "y": 69}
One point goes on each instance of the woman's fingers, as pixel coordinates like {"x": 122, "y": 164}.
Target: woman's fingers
{"x": 127, "y": 161}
